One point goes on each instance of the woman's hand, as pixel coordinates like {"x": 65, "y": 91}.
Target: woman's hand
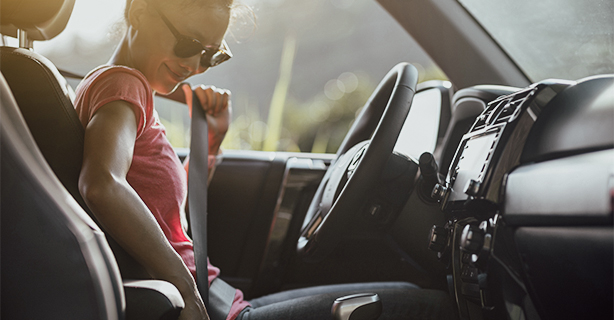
{"x": 217, "y": 105}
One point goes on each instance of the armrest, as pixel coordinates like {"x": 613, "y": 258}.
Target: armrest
{"x": 152, "y": 300}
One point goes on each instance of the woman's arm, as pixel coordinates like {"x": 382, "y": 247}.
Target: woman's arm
{"x": 108, "y": 151}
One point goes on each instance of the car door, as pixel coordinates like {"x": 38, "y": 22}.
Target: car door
{"x": 257, "y": 202}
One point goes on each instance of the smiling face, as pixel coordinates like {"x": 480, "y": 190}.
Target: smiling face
{"x": 150, "y": 42}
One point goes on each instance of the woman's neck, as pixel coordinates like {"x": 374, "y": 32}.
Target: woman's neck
{"x": 122, "y": 55}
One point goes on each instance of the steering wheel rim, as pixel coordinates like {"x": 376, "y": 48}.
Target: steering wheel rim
{"x": 361, "y": 159}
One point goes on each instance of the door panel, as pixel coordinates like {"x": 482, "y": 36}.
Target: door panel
{"x": 249, "y": 197}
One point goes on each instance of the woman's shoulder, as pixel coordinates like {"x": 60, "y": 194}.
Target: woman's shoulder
{"x": 109, "y": 83}
{"x": 117, "y": 73}
{"x": 114, "y": 81}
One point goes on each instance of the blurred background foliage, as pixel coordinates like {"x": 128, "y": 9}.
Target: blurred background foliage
{"x": 300, "y": 73}
{"x": 332, "y": 54}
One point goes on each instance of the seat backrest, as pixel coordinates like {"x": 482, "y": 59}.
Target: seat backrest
{"x": 44, "y": 98}
{"x": 56, "y": 263}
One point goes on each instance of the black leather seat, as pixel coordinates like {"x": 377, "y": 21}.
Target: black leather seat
{"x": 56, "y": 263}
{"x": 44, "y": 100}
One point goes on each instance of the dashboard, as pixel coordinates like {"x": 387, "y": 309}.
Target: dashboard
{"x": 528, "y": 200}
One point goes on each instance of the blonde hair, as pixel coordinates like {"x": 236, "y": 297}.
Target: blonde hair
{"x": 181, "y": 3}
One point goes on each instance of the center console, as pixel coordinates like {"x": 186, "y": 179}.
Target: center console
{"x": 470, "y": 194}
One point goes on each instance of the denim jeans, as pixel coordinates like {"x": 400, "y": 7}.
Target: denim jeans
{"x": 400, "y": 300}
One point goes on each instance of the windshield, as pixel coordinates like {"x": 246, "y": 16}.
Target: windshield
{"x": 566, "y": 39}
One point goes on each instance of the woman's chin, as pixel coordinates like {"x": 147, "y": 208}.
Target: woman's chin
{"x": 166, "y": 88}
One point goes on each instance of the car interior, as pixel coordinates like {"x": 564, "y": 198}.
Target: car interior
{"x": 491, "y": 187}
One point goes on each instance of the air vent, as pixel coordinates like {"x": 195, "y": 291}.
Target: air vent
{"x": 480, "y": 122}
{"x": 503, "y": 109}
{"x": 486, "y": 115}
{"x": 508, "y": 111}
{"x": 512, "y": 106}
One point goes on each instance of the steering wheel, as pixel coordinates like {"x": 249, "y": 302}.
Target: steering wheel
{"x": 333, "y": 212}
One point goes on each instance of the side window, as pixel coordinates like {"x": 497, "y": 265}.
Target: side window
{"x": 300, "y": 73}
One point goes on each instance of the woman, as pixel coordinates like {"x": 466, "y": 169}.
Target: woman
{"x": 132, "y": 177}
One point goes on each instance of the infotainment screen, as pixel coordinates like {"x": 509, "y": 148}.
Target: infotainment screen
{"x": 472, "y": 163}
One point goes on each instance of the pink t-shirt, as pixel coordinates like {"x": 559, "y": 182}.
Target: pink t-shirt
{"x": 156, "y": 173}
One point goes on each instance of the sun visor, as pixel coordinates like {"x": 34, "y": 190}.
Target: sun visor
{"x": 41, "y": 19}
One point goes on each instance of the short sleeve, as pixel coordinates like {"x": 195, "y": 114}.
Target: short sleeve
{"x": 121, "y": 84}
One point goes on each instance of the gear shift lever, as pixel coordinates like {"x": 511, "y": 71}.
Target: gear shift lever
{"x": 362, "y": 306}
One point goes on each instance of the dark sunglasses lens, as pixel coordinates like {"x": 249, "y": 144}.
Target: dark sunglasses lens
{"x": 185, "y": 48}
{"x": 205, "y": 61}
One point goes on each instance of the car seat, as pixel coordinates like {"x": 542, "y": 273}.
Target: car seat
{"x": 55, "y": 261}
{"x": 44, "y": 100}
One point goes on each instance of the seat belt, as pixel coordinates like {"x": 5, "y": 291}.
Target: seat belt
{"x": 218, "y": 299}
{"x": 221, "y": 296}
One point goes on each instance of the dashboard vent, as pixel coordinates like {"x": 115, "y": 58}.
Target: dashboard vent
{"x": 508, "y": 110}
{"x": 512, "y": 106}
{"x": 484, "y": 118}
{"x": 503, "y": 109}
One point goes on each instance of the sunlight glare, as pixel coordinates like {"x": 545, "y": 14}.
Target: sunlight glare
{"x": 92, "y": 20}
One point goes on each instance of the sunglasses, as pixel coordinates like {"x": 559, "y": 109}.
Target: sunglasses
{"x": 186, "y": 47}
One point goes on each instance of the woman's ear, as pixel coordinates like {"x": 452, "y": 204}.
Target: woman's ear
{"x": 136, "y": 13}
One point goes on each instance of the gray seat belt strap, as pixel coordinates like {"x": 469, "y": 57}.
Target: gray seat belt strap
{"x": 197, "y": 194}
{"x": 219, "y": 297}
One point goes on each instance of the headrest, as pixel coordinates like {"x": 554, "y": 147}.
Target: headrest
{"x": 41, "y": 19}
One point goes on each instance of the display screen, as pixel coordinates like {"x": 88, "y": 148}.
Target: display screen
{"x": 472, "y": 163}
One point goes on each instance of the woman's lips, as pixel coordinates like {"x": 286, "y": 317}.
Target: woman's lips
{"x": 176, "y": 76}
